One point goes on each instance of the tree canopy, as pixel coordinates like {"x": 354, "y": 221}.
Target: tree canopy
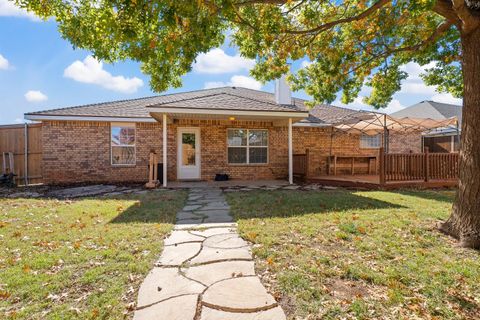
{"x": 350, "y": 43}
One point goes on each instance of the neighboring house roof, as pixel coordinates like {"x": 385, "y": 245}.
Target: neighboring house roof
{"x": 431, "y": 109}
{"x": 226, "y": 98}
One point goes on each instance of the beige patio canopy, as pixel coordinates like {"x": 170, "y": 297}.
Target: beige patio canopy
{"x": 372, "y": 123}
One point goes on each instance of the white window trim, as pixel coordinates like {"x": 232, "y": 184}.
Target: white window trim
{"x": 248, "y": 146}
{"x": 124, "y": 125}
{"x": 379, "y": 137}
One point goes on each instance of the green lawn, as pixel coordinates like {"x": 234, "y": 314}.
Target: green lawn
{"x": 339, "y": 254}
{"x": 80, "y": 259}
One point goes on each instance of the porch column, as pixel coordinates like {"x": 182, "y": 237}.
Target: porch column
{"x": 290, "y": 152}
{"x": 164, "y": 144}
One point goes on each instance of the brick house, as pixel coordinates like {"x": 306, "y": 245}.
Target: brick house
{"x": 244, "y": 133}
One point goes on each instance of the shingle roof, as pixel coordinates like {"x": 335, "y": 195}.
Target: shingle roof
{"x": 329, "y": 114}
{"x": 218, "y": 98}
{"x": 227, "y": 98}
{"x": 448, "y": 110}
{"x": 431, "y": 109}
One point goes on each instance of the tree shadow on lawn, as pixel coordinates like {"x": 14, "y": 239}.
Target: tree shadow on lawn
{"x": 152, "y": 207}
{"x": 268, "y": 204}
{"x": 443, "y": 195}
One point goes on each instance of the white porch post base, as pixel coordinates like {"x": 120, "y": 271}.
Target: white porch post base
{"x": 290, "y": 152}
{"x": 164, "y": 144}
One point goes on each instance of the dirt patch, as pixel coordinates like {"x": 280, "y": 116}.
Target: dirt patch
{"x": 347, "y": 290}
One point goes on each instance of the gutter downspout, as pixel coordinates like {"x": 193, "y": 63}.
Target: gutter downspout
{"x": 386, "y": 134}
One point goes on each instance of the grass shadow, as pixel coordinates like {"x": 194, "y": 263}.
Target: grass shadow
{"x": 446, "y": 195}
{"x": 151, "y": 207}
{"x": 269, "y": 204}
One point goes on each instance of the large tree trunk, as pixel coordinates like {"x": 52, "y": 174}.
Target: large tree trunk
{"x": 464, "y": 222}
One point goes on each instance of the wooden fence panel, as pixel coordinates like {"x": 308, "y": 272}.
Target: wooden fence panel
{"x": 426, "y": 166}
{"x": 12, "y": 139}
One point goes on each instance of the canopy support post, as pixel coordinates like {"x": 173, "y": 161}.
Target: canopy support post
{"x": 386, "y": 135}
{"x": 457, "y": 137}
{"x": 290, "y": 152}
{"x": 332, "y": 133}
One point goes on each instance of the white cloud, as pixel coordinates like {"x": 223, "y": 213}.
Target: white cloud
{"x": 393, "y": 106}
{"x": 446, "y": 98}
{"x": 245, "y": 82}
{"x": 90, "y": 70}
{"x": 358, "y": 104}
{"x": 216, "y": 61}
{"x": 18, "y": 120}
{"x": 414, "y": 84}
{"x": 4, "y": 64}
{"x": 214, "y": 84}
{"x": 236, "y": 81}
{"x": 35, "y": 96}
{"x": 8, "y": 9}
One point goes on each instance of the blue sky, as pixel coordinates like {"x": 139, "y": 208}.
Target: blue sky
{"x": 39, "y": 70}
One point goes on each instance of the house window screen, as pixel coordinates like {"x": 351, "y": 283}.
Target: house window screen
{"x": 370, "y": 142}
{"x": 247, "y": 146}
{"x": 123, "y": 144}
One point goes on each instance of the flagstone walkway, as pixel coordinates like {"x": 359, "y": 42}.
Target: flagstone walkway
{"x": 206, "y": 271}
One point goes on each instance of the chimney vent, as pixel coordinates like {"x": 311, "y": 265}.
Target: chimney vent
{"x": 283, "y": 94}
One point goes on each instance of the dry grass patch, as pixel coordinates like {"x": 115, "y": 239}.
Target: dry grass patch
{"x": 81, "y": 259}
{"x": 339, "y": 254}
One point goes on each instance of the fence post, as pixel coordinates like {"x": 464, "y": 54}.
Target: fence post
{"x": 426, "y": 165}
{"x": 307, "y": 156}
{"x": 381, "y": 158}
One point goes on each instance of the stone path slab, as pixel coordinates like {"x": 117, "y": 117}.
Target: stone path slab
{"x": 212, "y": 314}
{"x": 206, "y": 271}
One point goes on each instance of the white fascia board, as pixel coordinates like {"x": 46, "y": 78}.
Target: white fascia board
{"x": 39, "y": 117}
{"x": 283, "y": 114}
{"x": 312, "y": 125}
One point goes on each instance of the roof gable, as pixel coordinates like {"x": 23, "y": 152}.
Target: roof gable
{"x": 423, "y": 109}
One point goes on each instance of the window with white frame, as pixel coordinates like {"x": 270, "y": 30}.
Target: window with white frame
{"x": 247, "y": 146}
{"x": 370, "y": 142}
{"x": 122, "y": 140}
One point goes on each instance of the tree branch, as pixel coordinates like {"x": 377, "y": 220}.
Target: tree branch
{"x": 248, "y": 2}
{"x": 332, "y": 24}
{"x": 469, "y": 21}
{"x": 436, "y": 33}
{"x": 445, "y": 9}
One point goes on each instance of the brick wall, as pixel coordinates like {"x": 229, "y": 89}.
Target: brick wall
{"x": 321, "y": 144}
{"x": 80, "y": 151}
{"x": 214, "y": 150}
{"x": 405, "y": 142}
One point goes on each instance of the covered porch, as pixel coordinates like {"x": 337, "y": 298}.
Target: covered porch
{"x": 202, "y": 144}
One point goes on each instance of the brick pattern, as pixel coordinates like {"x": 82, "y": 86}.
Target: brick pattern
{"x": 405, "y": 142}
{"x": 321, "y": 143}
{"x": 77, "y": 152}
{"x": 213, "y": 142}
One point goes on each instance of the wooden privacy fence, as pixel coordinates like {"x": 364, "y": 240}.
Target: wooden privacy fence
{"x": 24, "y": 141}
{"x": 418, "y": 166}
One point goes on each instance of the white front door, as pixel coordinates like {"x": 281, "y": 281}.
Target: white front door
{"x": 188, "y": 153}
